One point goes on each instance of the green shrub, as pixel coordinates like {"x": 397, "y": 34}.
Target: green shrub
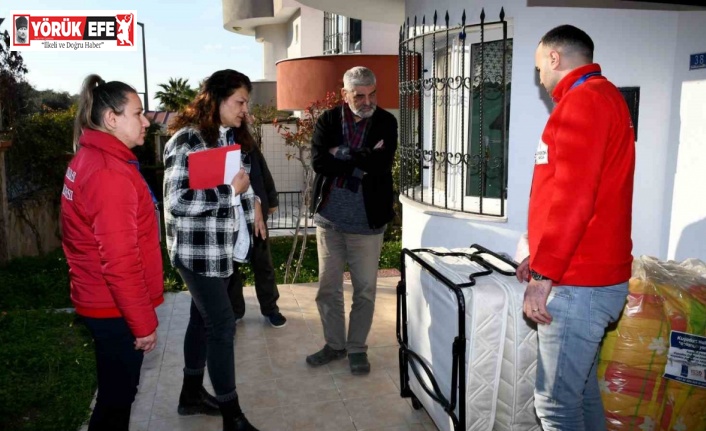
{"x": 41, "y": 149}
{"x": 390, "y": 255}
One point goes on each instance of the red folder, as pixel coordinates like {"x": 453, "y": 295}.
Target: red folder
{"x": 207, "y": 168}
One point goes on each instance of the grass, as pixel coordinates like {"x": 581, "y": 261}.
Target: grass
{"x": 35, "y": 283}
{"x": 48, "y": 371}
{"x": 48, "y": 366}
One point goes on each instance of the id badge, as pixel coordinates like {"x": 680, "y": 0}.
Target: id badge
{"x": 541, "y": 156}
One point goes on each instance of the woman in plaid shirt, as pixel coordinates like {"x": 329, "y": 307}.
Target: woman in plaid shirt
{"x": 209, "y": 232}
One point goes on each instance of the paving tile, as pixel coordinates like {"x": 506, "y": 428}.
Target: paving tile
{"x": 249, "y": 349}
{"x": 182, "y": 306}
{"x": 268, "y": 419}
{"x": 148, "y": 380}
{"x": 295, "y": 326}
{"x": 257, "y": 395}
{"x": 411, "y": 427}
{"x": 278, "y": 390}
{"x": 153, "y": 359}
{"x": 165, "y": 404}
{"x": 303, "y": 390}
{"x": 174, "y": 354}
{"x": 394, "y": 373}
{"x": 170, "y": 378}
{"x": 430, "y": 427}
{"x": 139, "y": 425}
{"x": 249, "y": 330}
{"x": 377, "y": 383}
{"x": 300, "y": 343}
{"x": 142, "y": 407}
{"x": 326, "y": 416}
{"x": 253, "y": 370}
{"x": 187, "y": 423}
{"x": 382, "y": 336}
{"x": 381, "y": 411}
{"x": 286, "y": 364}
{"x": 384, "y": 357}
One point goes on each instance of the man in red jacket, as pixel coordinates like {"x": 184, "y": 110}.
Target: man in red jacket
{"x": 580, "y": 215}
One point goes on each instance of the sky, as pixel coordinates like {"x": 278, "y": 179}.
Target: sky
{"x": 184, "y": 39}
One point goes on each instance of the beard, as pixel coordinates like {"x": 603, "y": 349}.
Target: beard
{"x": 364, "y": 113}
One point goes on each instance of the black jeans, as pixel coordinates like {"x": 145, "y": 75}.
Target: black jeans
{"x": 265, "y": 285}
{"x": 118, "y": 365}
{"x": 209, "y": 335}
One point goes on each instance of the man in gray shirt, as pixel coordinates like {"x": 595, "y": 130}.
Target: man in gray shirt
{"x": 353, "y": 148}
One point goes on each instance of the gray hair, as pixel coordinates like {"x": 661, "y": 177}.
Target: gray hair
{"x": 358, "y": 76}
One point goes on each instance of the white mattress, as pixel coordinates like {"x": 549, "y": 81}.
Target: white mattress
{"x": 500, "y": 345}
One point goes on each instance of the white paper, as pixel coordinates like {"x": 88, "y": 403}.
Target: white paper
{"x": 233, "y": 165}
{"x": 686, "y": 360}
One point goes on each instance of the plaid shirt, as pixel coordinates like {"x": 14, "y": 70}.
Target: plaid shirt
{"x": 202, "y": 225}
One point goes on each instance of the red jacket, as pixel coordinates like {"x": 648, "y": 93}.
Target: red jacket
{"x": 110, "y": 235}
{"x": 580, "y": 209}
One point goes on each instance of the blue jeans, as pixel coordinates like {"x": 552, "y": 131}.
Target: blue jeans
{"x": 567, "y": 396}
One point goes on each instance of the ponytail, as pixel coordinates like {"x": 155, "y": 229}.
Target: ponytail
{"x": 95, "y": 98}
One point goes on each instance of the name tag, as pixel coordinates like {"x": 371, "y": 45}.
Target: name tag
{"x": 541, "y": 156}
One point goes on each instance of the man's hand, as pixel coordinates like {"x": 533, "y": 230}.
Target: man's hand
{"x": 271, "y": 210}
{"x": 535, "y": 303}
{"x": 523, "y": 271}
{"x": 259, "y": 225}
{"x": 147, "y": 343}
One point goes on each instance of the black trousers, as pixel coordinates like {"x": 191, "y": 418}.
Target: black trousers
{"x": 209, "y": 336}
{"x": 118, "y": 365}
{"x": 265, "y": 285}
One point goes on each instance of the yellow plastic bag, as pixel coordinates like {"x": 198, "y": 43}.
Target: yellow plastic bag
{"x": 664, "y": 297}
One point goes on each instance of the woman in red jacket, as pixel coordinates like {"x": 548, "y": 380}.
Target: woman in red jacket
{"x": 111, "y": 241}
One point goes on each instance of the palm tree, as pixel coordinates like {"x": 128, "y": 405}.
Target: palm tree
{"x": 175, "y": 95}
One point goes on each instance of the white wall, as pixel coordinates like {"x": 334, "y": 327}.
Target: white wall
{"x": 287, "y": 174}
{"x": 634, "y": 48}
{"x": 274, "y": 47}
{"x": 380, "y": 38}
{"x": 294, "y": 36}
{"x": 685, "y": 208}
{"x": 312, "y": 32}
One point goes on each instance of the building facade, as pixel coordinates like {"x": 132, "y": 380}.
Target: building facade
{"x": 472, "y": 111}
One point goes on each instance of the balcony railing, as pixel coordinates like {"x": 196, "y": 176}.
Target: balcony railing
{"x": 287, "y": 215}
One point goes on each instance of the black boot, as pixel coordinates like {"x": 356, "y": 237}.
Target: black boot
{"x": 110, "y": 418}
{"x": 233, "y": 417}
{"x": 194, "y": 399}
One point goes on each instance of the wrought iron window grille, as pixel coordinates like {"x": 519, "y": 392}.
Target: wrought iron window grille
{"x": 454, "y": 113}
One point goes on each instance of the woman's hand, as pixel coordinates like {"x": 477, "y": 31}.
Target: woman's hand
{"x": 147, "y": 343}
{"x": 259, "y": 226}
{"x": 241, "y": 182}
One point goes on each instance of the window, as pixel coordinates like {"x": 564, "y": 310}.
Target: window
{"x": 632, "y": 98}
{"x": 341, "y": 34}
{"x": 455, "y": 104}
